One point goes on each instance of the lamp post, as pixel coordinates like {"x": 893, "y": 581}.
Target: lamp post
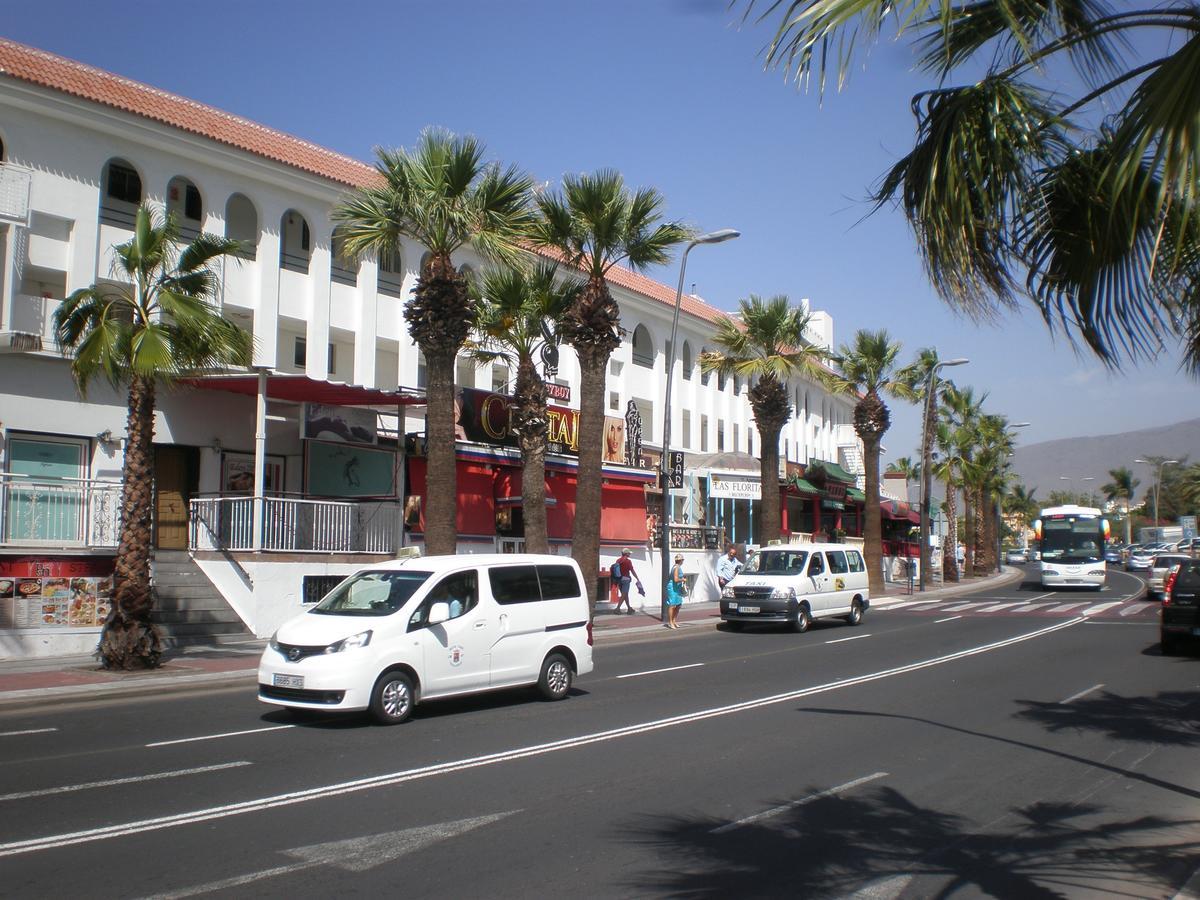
{"x": 1157, "y": 482}
{"x": 1070, "y": 480}
{"x": 1000, "y": 504}
{"x": 926, "y": 462}
{"x": 664, "y": 519}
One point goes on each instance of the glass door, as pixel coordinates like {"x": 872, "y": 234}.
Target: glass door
{"x": 45, "y": 490}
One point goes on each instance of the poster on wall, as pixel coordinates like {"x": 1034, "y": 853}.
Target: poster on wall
{"x": 55, "y": 593}
{"x": 348, "y": 424}
{"x": 237, "y": 473}
{"x": 349, "y": 470}
{"x": 614, "y": 440}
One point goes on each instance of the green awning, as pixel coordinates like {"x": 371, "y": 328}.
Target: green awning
{"x": 855, "y": 494}
{"x": 834, "y": 471}
{"x": 797, "y": 483}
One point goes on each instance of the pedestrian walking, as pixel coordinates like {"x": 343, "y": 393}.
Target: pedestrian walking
{"x": 728, "y": 567}
{"x": 626, "y": 575}
{"x": 676, "y": 587}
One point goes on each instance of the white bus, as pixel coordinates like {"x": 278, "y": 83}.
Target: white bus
{"x": 1072, "y": 546}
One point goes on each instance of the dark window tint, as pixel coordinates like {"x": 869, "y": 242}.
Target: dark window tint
{"x": 558, "y": 582}
{"x": 515, "y": 584}
{"x": 124, "y": 183}
{"x": 191, "y": 203}
{"x": 856, "y": 561}
{"x": 837, "y": 562}
{"x": 816, "y": 565}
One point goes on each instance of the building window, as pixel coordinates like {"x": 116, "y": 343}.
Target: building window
{"x": 300, "y": 353}
{"x": 720, "y": 437}
{"x": 721, "y": 379}
{"x": 123, "y": 184}
{"x": 241, "y": 224}
{"x": 464, "y": 375}
{"x": 499, "y": 379}
{"x": 646, "y": 409}
{"x": 390, "y": 279}
{"x": 422, "y": 371}
{"x": 614, "y": 401}
{"x": 615, "y": 367}
{"x": 704, "y": 375}
{"x": 686, "y": 361}
{"x": 750, "y": 441}
{"x": 736, "y": 437}
{"x": 686, "y": 429}
{"x": 343, "y": 268}
{"x": 643, "y": 348}
{"x": 332, "y": 359}
{"x": 703, "y": 434}
{"x": 294, "y": 243}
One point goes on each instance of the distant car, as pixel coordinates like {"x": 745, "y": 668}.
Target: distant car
{"x": 1112, "y": 554}
{"x": 1140, "y": 559}
{"x": 1031, "y": 554}
{"x": 1180, "y": 620}
{"x": 1016, "y": 556}
{"x": 1163, "y": 565}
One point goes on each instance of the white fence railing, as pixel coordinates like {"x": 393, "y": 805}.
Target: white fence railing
{"x": 296, "y": 524}
{"x": 59, "y": 512}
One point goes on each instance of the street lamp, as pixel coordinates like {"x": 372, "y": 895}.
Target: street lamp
{"x": 1157, "y": 482}
{"x": 712, "y": 237}
{"x": 1000, "y": 503}
{"x": 1069, "y": 480}
{"x": 926, "y": 462}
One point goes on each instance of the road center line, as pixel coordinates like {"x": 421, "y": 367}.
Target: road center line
{"x": 66, "y": 789}
{"x": 803, "y": 801}
{"x": 213, "y": 737}
{"x": 857, "y": 637}
{"x": 1094, "y": 687}
{"x": 274, "y": 801}
{"x": 657, "y": 671}
{"x": 949, "y": 619}
{"x": 28, "y": 731}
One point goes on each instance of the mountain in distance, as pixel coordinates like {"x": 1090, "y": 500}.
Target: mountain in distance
{"x": 1043, "y": 465}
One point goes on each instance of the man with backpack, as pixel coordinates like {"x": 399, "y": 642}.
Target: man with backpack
{"x": 623, "y": 574}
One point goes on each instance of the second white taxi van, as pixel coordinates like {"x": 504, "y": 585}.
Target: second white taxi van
{"x": 400, "y": 632}
{"x": 794, "y": 584}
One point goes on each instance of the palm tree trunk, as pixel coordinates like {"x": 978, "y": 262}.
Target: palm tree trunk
{"x": 1128, "y": 520}
{"x": 950, "y": 546}
{"x": 441, "y": 478}
{"x": 585, "y": 542}
{"x": 872, "y": 526}
{"x": 969, "y": 529}
{"x": 771, "y": 520}
{"x": 129, "y": 639}
{"x": 529, "y": 422}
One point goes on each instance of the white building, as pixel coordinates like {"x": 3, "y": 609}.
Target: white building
{"x": 79, "y": 150}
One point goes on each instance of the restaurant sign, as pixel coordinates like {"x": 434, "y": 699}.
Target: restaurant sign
{"x": 725, "y": 487}
{"x": 486, "y": 418}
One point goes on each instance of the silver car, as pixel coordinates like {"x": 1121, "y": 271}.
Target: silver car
{"x": 1160, "y": 569}
{"x": 1140, "y": 559}
{"x": 1016, "y": 556}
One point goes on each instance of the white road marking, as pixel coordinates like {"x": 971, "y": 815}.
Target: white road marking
{"x": 916, "y": 607}
{"x": 1066, "y": 606}
{"x": 1041, "y": 596}
{"x": 1099, "y": 608}
{"x": 66, "y": 789}
{"x": 950, "y": 619}
{"x": 959, "y": 606}
{"x": 657, "y": 671}
{"x": 1131, "y": 609}
{"x": 27, "y": 731}
{"x": 213, "y": 737}
{"x": 49, "y": 842}
{"x": 857, "y": 637}
{"x": 883, "y": 889}
{"x": 1094, "y": 687}
{"x": 352, "y": 855}
{"x": 996, "y": 607}
{"x": 803, "y": 801}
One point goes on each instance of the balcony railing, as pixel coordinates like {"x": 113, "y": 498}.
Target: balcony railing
{"x": 295, "y": 524}
{"x": 59, "y": 512}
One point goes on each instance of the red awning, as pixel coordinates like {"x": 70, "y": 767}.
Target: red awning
{"x": 301, "y": 388}
{"x": 623, "y": 513}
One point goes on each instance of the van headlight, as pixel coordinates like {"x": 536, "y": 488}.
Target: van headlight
{"x": 728, "y": 593}
{"x": 274, "y": 642}
{"x": 355, "y": 640}
{"x": 783, "y": 593}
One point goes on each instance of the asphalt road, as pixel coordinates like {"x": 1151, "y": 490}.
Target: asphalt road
{"x": 1018, "y": 752}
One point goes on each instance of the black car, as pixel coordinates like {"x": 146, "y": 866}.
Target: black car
{"x": 1181, "y": 607}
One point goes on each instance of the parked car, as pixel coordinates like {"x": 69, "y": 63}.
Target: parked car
{"x": 795, "y": 585}
{"x": 1112, "y": 554}
{"x": 1016, "y": 556}
{"x": 1163, "y": 565}
{"x": 402, "y": 632}
{"x": 1141, "y": 558}
{"x": 1031, "y": 554}
{"x": 1180, "y": 620}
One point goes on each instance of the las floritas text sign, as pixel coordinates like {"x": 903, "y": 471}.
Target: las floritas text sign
{"x": 727, "y": 488}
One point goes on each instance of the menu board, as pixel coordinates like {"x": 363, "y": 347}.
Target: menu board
{"x": 55, "y": 593}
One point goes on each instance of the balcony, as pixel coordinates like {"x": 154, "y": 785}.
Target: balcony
{"x": 295, "y": 524}
{"x": 59, "y": 512}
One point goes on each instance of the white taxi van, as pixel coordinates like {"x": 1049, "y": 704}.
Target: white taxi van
{"x": 795, "y": 584}
{"x": 401, "y": 632}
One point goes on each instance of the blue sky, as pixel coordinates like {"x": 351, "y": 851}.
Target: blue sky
{"x": 669, "y": 92}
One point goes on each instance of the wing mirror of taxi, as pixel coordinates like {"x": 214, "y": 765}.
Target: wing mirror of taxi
{"x": 439, "y": 612}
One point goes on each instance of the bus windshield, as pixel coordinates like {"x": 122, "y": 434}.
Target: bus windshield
{"x": 1071, "y": 539}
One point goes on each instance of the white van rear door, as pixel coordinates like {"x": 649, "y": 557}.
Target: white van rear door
{"x": 517, "y": 643}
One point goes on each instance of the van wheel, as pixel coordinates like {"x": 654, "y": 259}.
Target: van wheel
{"x": 803, "y": 620}
{"x": 555, "y": 680}
{"x": 856, "y": 613}
{"x": 392, "y": 698}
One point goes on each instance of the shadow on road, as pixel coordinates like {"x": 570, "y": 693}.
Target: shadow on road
{"x": 878, "y": 840}
{"x": 1170, "y": 718}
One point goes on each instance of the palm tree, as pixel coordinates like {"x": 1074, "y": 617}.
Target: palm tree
{"x": 765, "y": 344}
{"x": 594, "y": 223}
{"x": 1022, "y": 502}
{"x": 1121, "y": 487}
{"x": 963, "y": 410}
{"x": 868, "y": 368}
{"x": 442, "y": 195}
{"x": 519, "y": 315}
{"x": 947, "y": 468}
{"x": 156, "y": 320}
{"x": 1083, "y": 198}
{"x": 917, "y": 375}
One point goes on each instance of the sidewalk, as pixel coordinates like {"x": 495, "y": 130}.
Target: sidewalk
{"x": 60, "y": 679}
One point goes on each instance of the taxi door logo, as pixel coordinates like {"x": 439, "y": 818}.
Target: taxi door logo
{"x": 456, "y": 655}
{"x": 839, "y": 584}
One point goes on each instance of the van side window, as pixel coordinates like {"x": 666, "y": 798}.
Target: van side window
{"x": 558, "y": 582}
{"x": 514, "y": 584}
{"x": 837, "y": 561}
{"x": 815, "y": 565}
{"x": 460, "y": 590}
{"x": 856, "y": 561}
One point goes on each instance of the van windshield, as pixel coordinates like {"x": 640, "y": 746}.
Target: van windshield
{"x": 371, "y": 594}
{"x": 777, "y": 562}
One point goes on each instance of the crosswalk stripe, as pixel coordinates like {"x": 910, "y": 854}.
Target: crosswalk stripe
{"x": 923, "y": 606}
{"x": 961, "y": 606}
{"x": 1099, "y": 608}
{"x": 1132, "y": 608}
{"x": 1065, "y": 607}
{"x": 996, "y": 607}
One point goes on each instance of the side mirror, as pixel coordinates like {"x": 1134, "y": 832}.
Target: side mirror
{"x": 439, "y": 613}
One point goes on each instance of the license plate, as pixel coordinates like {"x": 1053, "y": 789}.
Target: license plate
{"x": 289, "y": 681}
{"x": 749, "y": 609}
{"x": 733, "y": 607}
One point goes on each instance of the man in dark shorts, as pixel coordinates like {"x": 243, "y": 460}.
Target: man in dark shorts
{"x": 628, "y": 575}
